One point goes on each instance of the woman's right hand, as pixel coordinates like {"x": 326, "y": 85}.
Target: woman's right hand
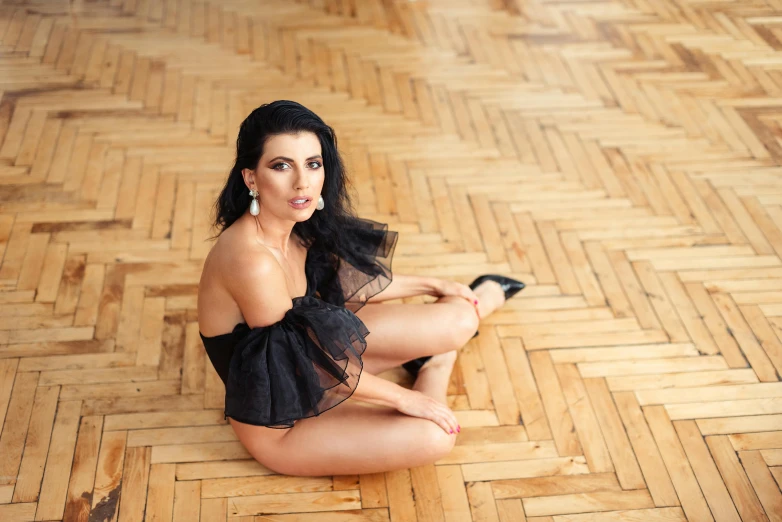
{"x": 416, "y": 404}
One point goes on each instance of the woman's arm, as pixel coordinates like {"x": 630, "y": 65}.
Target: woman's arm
{"x": 405, "y": 286}
{"x": 376, "y": 390}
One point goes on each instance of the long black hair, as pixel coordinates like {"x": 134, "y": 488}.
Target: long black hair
{"x": 289, "y": 117}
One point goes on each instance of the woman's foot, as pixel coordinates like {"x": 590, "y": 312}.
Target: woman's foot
{"x": 490, "y": 297}
{"x": 509, "y": 287}
{"x": 435, "y": 375}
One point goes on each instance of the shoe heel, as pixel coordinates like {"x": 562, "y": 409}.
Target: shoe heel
{"x": 415, "y": 365}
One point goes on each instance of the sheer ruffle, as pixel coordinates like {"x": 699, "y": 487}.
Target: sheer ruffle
{"x": 361, "y": 271}
{"x": 305, "y": 364}
{"x": 310, "y": 361}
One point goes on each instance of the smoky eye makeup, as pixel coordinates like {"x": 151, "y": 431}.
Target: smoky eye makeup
{"x": 317, "y": 164}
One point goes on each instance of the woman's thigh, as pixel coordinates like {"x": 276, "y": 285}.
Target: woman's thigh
{"x": 402, "y": 332}
{"x": 356, "y": 439}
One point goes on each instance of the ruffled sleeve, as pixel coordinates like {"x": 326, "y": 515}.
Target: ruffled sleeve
{"x": 305, "y": 364}
{"x": 360, "y": 270}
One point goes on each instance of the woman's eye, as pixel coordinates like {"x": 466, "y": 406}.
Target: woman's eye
{"x": 312, "y": 164}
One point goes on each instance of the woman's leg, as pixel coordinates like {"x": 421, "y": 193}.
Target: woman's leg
{"x": 356, "y": 439}
{"x": 401, "y": 332}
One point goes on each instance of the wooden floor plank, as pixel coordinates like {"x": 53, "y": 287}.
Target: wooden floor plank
{"x": 763, "y": 483}
{"x": 36, "y": 447}
{"x": 744, "y": 497}
{"x": 557, "y": 485}
{"x": 627, "y": 470}
{"x": 585, "y": 420}
{"x": 85, "y": 461}
{"x": 554, "y": 402}
{"x": 605, "y": 501}
{"x": 682, "y": 476}
{"x": 54, "y": 485}
{"x": 708, "y": 476}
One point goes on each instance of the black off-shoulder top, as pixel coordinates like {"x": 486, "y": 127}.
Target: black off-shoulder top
{"x": 310, "y": 360}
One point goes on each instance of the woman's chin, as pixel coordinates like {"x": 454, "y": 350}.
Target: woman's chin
{"x": 301, "y": 215}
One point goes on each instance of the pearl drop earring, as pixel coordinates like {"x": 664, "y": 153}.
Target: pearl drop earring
{"x": 255, "y": 208}
{"x": 321, "y": 203}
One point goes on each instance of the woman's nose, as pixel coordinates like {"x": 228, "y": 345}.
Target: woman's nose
{"x": 302, "y": 181}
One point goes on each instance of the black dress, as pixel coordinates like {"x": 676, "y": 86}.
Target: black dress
{"x": 310, "y": 360}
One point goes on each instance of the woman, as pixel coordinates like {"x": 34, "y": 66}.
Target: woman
{"x": 288, "y": 296}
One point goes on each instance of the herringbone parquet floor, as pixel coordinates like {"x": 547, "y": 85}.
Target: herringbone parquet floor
{"x": 619, "y": 156}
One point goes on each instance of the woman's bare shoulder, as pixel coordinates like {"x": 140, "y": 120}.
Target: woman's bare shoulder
{"x": 232, "y": 266}
{"x": 232, "y": 246}
{"x": 226, "y": 264}
{"x": 233, "y": 256}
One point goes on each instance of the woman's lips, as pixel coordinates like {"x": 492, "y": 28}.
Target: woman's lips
{"x": 299, "y": 205}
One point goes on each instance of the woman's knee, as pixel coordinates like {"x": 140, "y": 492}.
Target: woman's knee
{"x": 436, "y": 443}
{"x": 463, "y": 325}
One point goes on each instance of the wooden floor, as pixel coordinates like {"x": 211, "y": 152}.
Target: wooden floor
{"x": 622, "y": 157}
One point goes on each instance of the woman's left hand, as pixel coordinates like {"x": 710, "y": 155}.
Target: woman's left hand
{"x": 443, "y": 287}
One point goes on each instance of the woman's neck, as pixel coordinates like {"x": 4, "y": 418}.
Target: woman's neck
{"x": 273, "y": 233}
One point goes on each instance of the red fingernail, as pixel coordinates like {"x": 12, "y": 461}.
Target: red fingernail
{"x": 451, "y": 431}
{"x": 476, "y": 301}
{"x": 459, "y": 429}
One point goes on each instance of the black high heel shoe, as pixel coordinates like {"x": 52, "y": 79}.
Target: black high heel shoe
{"x": 415, "y": 365}
{"x": 510, "y": 286}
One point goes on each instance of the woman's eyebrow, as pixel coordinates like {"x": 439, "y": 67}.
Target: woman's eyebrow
{"x": 292, "y": 161}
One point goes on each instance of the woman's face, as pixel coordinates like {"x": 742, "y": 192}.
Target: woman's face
{"x": 290, "y": 169}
